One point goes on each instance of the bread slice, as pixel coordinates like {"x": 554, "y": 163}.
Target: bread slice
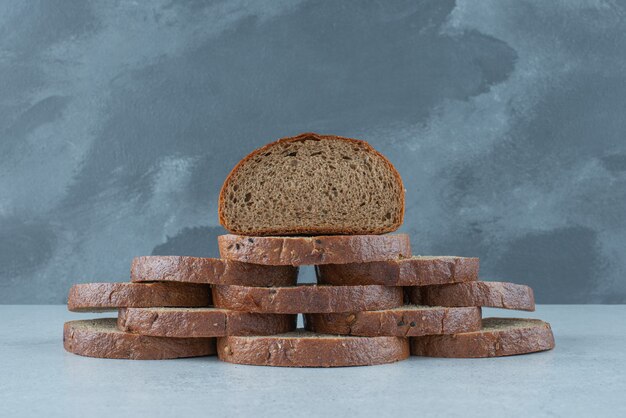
{"x": 101, "y": 338}
{"x": 296, "y": 251}
{"x": 210, "y": 271}
{"x": 413, "y": 271}
{"x": 201, "y": 322}
{"x": 312, "y": 185}
{"x": 488, "y": 294}
{"x": 498, "y": 337}
{"x": 97, "y": 297}
{"x": 307, "y": 298}
{"x": 306, "y": 349}
{"x": 405, "y": 321}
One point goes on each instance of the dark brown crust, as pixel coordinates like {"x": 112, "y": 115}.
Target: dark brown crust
{"x": 296, "y": 251}
{"x": 100, "y": 338}
{"x": 307, "y": 298}
{"x": 96, "y": 297}
{"x": 302, "y": 349}
{"x": 488, "y": 294}
{"x": 201, "y": 322}
{"x": 533, "y": 336}
{"x": 210, "y": 271}
{"x": 414, "y": 271}
{"x": 303, "y": 231}
{"x": 406, "y": 321}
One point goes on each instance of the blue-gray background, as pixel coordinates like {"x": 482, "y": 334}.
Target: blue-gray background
{"x": 507, "y": 120}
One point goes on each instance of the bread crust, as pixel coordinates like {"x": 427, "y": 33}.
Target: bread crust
{"x": 406, "y": 321}
{"x": 499, "y": 337}
{"x": 97, "y": 297}
{"x": 201, "y": 322}
{"x": 210, "y": 271}
{"x": 101, "y": 338}
{"x": 325, "y": 249}
{"x": 307, "y": 298}
{"x": 414, "y": 271}
{"x": 488, "y": 294}
{"x": 302, "y": 349}
{"x": 309, "y": 231}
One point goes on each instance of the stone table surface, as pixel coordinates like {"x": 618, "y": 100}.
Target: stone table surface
{"x": 584, "y": 376}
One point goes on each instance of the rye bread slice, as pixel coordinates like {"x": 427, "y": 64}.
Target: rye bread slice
{"x": 312, "y": 185}
{"x": 101, "y": 338}
{"x": 488, "y": 294}
{"x": 210, "y": 271}
{"x": 498, "y": 337}
{"x": 413, "y": 271}
{"x": 307, "y": 349}
{"x": 201, "y": 322}
{"x": 97, "y": 297}
{"x": 405, "y": 321}
{"x": 306, "y": 298}
{"x": 296, "y": 251}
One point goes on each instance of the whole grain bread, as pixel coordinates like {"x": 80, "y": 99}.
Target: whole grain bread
{"x": 498, "y": 337}
{"x": 307, "y": 298}
{"x": 210, "y": 271}
{"x": 96, "y": 297}
{"x": 101, "y": 338}
{"x": 312, "y": 185}
{"x": 296, "y": 251}
{"x": 306, "y": 349}
{"x": 405, "y": 321}
{"x": 201, "y": 322}
{"x": 413, "y": 271}
{"x": 488, "y": 294}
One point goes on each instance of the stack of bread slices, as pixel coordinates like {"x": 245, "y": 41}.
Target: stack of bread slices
{"x": 316, "y": 200}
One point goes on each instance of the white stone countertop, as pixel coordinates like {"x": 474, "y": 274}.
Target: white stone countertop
{"x": 584, "y": 376}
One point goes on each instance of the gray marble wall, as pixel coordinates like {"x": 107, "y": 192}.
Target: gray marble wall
{"x": 507, "y": 120}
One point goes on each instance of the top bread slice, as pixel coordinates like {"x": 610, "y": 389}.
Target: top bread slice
{"x": 312, "y": 185}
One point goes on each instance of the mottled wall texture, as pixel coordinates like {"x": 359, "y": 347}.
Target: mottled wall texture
{"x": 507, "y": 120}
